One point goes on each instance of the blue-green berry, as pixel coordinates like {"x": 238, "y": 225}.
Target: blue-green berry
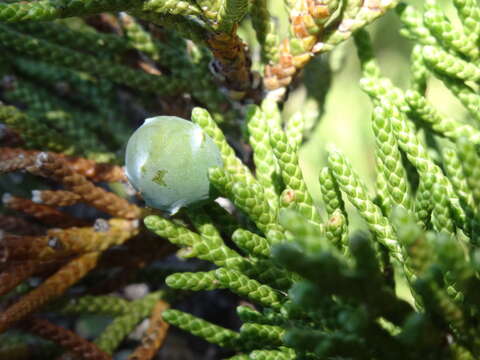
{"x": 167, "y": 162}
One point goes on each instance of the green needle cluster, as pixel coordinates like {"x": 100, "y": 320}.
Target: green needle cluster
{"x": 287, "y": 157}
{"x": 356, "y": 192}
{"x": 124, "y": 324}
{"x": 243, "y": 286}
{"x": 195, "y": 281}
{"x": 389, "y": 158}
{"x": 230, "y": 13}
{"x": 266, "y": 166}
{"x": 251, "y": 243}
{"x": 265, "y": 30}
{"x": 204, "y": 329}
{"x": 101, "y": 305}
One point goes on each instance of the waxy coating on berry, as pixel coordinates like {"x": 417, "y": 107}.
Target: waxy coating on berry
{"x": 167, "y": 161}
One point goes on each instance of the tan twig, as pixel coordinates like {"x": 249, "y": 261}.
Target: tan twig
{"x": 51, "y": 288}
{"x": 13, "y": 159}
{"x": 155, "y": 335}
{"x": 57, "y": 169}
{"x": 232, "y": 61}
{"x": 55, "y": 197}
{"x": 61, "y": 243}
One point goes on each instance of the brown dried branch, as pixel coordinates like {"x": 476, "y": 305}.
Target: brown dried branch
{"x": 13, "y": 159}
{"x": 103, "y": 235}
{"x": 44, "y": 213}
{"x": 233, "y": 62}
{"x": 65, "y": 338}
{"x": 95, "y": 171}
{"x": 55, "y": 197}
{"x": 57, "y": 169}
{"x": 51, "y": 288}
{"x": 155, "y": 335}
{"x": 15, "y": 248}
{"x": 62, "y": 243}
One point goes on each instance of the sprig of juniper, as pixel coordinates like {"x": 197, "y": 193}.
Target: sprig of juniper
{"x": 415, "y": 228}
{"x": 319, "y": 291}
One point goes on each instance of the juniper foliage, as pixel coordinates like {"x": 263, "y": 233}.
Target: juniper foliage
{"x": 313, "y": 289}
